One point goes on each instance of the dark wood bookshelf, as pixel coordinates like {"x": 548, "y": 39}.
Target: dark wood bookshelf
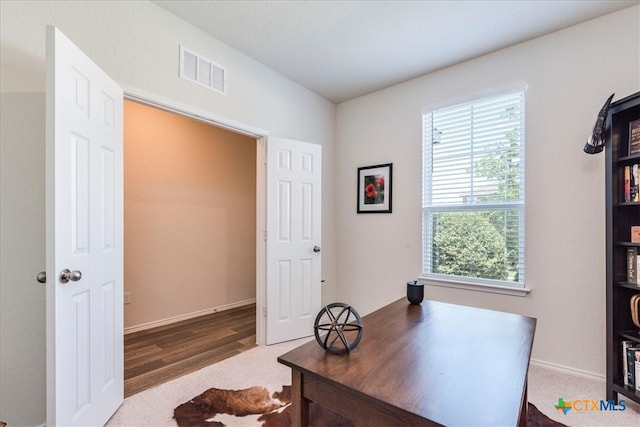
{"x": 629, "y": 285}
{"x": 629, "y": 159}
{"x": 625, "y": 390}
{"x": 620, "y": 216}
{"x": 633, "y": 335}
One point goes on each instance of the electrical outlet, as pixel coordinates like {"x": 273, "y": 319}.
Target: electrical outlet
{"x": 127, "y": 297}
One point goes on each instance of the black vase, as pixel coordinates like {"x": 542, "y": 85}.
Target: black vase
{"x": 415, "y": 292}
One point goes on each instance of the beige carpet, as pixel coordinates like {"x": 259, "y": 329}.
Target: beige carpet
{"x": 155, "y": 407}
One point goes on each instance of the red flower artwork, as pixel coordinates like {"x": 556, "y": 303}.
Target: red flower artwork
{"x": 371, "y": 190}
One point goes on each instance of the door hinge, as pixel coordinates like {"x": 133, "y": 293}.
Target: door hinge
{"x": 264, "y": 311}
{"x": 265, "y": 235}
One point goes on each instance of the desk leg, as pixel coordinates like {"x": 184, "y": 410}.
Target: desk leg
{"x": 524, "y": 409}
{"x": 299, "y": 405}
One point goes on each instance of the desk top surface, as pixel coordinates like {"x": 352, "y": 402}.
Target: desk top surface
{"x": 447, "y": 363}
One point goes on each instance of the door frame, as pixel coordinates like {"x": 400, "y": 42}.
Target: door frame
{"x": 171, "y": 105}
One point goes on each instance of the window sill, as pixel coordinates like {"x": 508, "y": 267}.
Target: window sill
{"x": 478, "y": 287}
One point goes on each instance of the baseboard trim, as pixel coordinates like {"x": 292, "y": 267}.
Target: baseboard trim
{"x": 187, "y": 316}
{"x": 568, "y": 370}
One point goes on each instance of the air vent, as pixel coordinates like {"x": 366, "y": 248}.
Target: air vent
{"x": 203, "y": 71}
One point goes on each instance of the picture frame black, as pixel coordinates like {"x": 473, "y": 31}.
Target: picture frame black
{"x": 375, "y": 188}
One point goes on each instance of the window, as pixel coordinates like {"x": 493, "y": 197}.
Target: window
{"x": 473, "y": 192}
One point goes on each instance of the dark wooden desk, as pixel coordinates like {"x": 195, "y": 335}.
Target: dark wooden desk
{"x": 427, "y": 364}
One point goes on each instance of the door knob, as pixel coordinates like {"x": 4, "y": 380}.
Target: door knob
{"x": 67, "y": 275}
{"x": 316, "y": 249}
{"x": 42, "y": 277}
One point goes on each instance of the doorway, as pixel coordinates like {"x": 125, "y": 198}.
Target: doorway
{"x": 190, "y": 219}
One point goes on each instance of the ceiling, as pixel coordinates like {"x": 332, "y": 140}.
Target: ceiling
{"x": 345, "y": 49}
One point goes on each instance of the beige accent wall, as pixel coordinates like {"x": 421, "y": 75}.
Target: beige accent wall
{"x": 190, "y": 216}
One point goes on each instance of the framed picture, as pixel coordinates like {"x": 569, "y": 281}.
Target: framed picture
{"x": 374, "y": 188}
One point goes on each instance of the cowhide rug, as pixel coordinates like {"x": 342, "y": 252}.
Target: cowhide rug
{"x": 259, "y": 407}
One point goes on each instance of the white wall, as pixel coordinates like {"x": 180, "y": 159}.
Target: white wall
{"x": 22, "y": 313}
{"x": 569, "y": 76}
{"x": 137, "y": 43}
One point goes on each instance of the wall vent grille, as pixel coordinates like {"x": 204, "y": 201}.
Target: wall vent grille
{"x": 203, "y": 71}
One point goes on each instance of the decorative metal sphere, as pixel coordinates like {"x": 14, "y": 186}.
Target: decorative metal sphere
{"x": 338, "y": 328}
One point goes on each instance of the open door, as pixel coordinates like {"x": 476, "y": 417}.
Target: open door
{"x": 84, "y": 238}
{"x": 294, "y": 239}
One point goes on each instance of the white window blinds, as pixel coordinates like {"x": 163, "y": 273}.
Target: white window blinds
{"x": 473, "y": 190}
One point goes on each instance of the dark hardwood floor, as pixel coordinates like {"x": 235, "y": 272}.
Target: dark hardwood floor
{"x": 157, "y": 355}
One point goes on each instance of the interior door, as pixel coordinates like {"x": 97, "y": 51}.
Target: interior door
{"x": 293, "y": 238}
{"x": 84, "y": 234}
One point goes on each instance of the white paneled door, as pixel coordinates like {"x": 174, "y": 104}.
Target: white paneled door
{"x": 293, "y": 238}
{"x": 84, "y": 232}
